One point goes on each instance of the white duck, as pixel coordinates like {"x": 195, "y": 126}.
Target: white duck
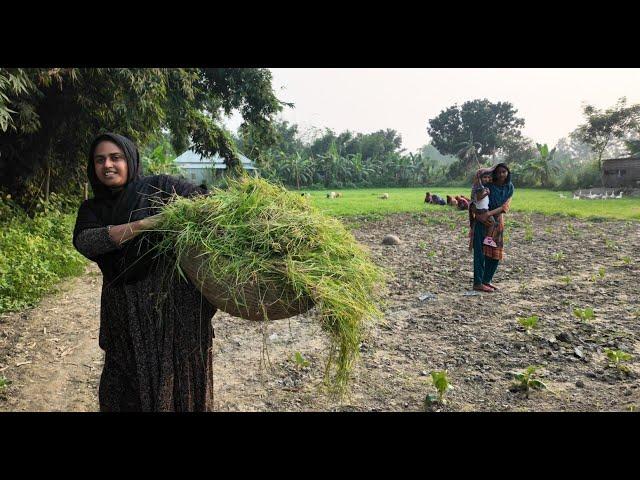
{"x": 619, "y": 195}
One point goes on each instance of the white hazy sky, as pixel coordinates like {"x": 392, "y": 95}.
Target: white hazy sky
{"x": 368, "y": 99}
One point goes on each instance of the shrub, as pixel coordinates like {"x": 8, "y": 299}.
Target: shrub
{"x": 36, "y": 254}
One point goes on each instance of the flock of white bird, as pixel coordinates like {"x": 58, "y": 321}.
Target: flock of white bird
{"x": 595, "y": 196}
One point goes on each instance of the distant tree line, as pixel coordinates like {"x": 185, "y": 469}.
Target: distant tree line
{"x": 463, "y": 138}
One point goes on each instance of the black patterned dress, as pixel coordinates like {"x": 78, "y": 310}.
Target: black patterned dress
{"x": 156, "y": 332}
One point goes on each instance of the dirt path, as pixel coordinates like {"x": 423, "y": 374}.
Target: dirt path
{"x": 553, "y": 265}
{"x": 50, "y": 353}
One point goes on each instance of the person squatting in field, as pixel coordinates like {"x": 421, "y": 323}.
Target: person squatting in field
{"x": 487, "y": 257}
{"x": 433, "y": 198}
{"x": 459, "y": 201}
{"x": 155, "y": 328}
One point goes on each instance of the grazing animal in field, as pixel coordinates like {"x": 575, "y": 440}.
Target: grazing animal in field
{"x": 384, "y": 196}
{"x": 338, "y": 194}
{"x": 332, "y": 195}
{"x": 576, "y": 197}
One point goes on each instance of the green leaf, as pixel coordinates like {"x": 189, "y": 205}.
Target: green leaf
{"x": 537, "y": 384}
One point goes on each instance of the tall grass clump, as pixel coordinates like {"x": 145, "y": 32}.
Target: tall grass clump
{"x": 255, "y": 231}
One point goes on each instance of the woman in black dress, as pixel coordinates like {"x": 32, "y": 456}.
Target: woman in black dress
{"x": 155, "y": 328}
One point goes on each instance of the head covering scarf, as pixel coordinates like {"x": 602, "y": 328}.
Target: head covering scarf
{"x": 139, "y": 198}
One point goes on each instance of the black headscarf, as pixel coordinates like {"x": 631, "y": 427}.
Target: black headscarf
{"x": 139, "y": 198}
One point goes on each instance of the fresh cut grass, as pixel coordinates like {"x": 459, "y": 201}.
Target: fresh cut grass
{"x": 254, "y": 231}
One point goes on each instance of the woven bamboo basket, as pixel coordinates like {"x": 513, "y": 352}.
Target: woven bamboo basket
{"x": 249, "y": 301}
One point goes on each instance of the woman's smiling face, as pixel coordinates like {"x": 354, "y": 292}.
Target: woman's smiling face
{"x": 110, "y": 164}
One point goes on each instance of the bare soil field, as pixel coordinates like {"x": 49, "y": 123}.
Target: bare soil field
{"x": 433, "y": 321}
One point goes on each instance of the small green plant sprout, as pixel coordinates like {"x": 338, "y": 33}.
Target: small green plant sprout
{"x": 558, "y": 256}
{"x": 526, "y": 382}
{"x": 610, "y": 244}
{"x": 626, "y": 260}
{"x": 601, "y": 272}
{"x": 422, "y": 245}
{"x": 300, "y": 361}
{"x": 432, "y": 254}
{"x": 528, "y": 233}
{"x": 616, "y": 359}
{"x": 566, "y": 279}
{"x": 584, "y": 314}
{"x": 529, "y": 323}
{"x": 3, "y": 384}
{"x": 441, "y": 382}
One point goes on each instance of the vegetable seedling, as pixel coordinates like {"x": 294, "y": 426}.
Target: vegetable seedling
{"x": 616, "y": 359}
{"x": 584, "y": 314}
{"x": 300, "y": 361}
{"x": 529, "y": 323}
{"x": 525, "y": 381}
{"x": 441, "y": 382}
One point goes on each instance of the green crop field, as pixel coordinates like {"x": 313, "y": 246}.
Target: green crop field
{"x": 367, "y": 202}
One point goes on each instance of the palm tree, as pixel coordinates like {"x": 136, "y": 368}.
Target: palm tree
{"x": 469, "y": 150}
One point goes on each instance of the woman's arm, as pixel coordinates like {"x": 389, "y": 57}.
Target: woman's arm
{"x": 120, "y": 234}
{"x": 93, "y": 242}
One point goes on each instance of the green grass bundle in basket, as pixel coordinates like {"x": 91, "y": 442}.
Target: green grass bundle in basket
{"x": 259, "y": 252}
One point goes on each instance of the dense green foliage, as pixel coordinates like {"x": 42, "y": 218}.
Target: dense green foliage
{"x": 346, "y": 160}
{"x": 36, "y": 253}
{"x": 48, "y": 117}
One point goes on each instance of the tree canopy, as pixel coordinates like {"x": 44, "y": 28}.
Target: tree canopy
{"x": 48, "y": 116}
{"x": 603, "y": 127}
{"x": 474, "y": 130}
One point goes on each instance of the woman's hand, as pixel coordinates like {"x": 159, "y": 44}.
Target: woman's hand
{"x": 123, "y": 233}
{"x": 150, "y": 222}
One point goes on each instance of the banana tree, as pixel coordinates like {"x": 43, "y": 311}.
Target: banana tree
{"x": 541, "y": 169}
{"x": 160, "y": 161}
